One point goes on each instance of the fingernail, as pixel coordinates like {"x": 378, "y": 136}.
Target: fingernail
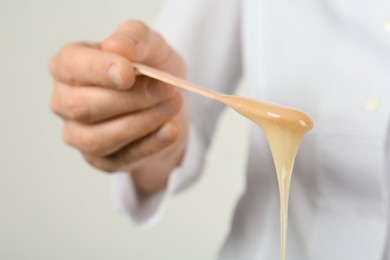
{"x": 167, "y": 108}
{"x": 166, "y": 133}
{"x": 129, "y": 39}
{"x": 115, "y": 76}
{"x": 158, "y": 90}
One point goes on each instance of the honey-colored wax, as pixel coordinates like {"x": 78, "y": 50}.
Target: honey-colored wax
{"x": 284, "y": 129}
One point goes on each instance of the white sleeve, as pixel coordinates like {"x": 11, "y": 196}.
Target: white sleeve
{"x": 207, "y": 35}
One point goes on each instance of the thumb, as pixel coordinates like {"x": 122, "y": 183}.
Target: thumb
{"x": 135, "y": 41}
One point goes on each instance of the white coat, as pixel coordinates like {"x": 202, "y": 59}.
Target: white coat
{"x": 330, "y": 58}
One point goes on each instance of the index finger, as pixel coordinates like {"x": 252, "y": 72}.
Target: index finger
{"x": 83, "y": 64}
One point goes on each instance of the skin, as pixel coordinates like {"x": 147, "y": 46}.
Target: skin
{"x": 121, "y": 122}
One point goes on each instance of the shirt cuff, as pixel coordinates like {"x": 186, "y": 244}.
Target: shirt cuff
{"x": 144, "y": 212}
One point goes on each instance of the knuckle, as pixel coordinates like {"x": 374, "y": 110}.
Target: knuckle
{"x": 169, "y": 108}
{"x": 138, "y": 26}
{"x": 62, "y": 63}
{"x": 108, "y": 168}
{"x": 155, "y": 90}
{"x": 100, "y": 163}
{"x": 165, "y": 51}
{"x": 142, "y": 129}
{"x": 91, "y": 144}
{"x": 128, "y": 40}
{"x": 53, "y": 105}
{"x": 84, "y": 140}
{"x": 66, "y": 137}
{"x": 123, "y": 159}
{"x": 57, "y": 59}
{"x": 76, "y": 108}
{"x": 148, "y": 150}
{"x": 53, "y": 101}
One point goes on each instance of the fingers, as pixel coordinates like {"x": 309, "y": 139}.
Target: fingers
{"x": 113, "y": 117}
{"x": 82, "y": 64}
{"x": 109, "y": 65}
{"x": 110, "y": 136}
{"x": 135, "y": 41}
{"x": 94, "y": 104}
{"x": 127, "y": 158}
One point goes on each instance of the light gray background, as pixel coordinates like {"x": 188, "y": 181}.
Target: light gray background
{"x": 52, "y": 204}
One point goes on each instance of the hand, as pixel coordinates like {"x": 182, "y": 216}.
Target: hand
{"x": 120, "y": 121}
